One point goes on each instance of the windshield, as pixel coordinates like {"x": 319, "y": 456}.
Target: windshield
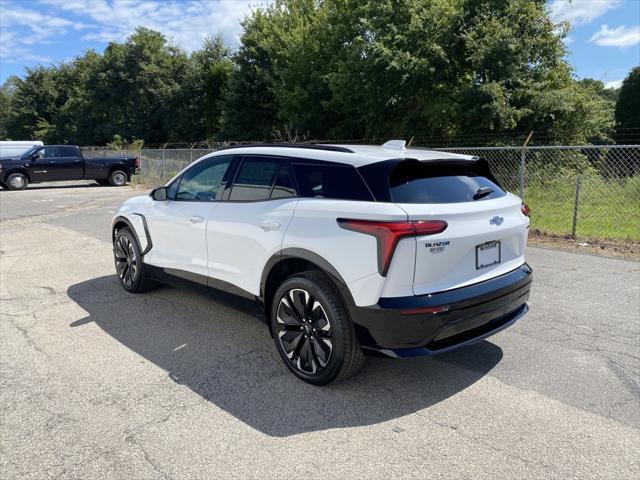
{"x": 30, "y": 152}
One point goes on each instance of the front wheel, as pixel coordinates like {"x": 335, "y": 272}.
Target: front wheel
{"x": 312, "y": 330}
{"x": 118, "y": 178}
{"x": 128, "y": 261}
{"x": 17, "y": 181}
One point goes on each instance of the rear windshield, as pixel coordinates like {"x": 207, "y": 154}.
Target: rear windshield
{"x": 419, "y": 182}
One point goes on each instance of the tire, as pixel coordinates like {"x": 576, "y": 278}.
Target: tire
{"x": 320, "y": 345}
{"x": 17, "y": 181}
{"x": 129, "y": 264}
{"x": 118, "y": 178}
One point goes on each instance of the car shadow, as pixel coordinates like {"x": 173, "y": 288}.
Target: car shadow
{"x": 48, "y": 186}
{"x": 62, "y": 187}
{"x": 227, "y": 356}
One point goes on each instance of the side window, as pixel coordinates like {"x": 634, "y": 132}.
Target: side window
{"x": 67, "y": 152}
{"x": 202, "y": 182}
{"x": 283, "y": 186}
{"x": 255, "y": 178}
{"x": 330, "y": 181}
{"x": 49, "y": 152}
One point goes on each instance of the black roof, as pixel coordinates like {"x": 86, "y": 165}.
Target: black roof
{"x": 311, "y": 146}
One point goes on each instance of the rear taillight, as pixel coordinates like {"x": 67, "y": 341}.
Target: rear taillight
{"x": 136, "y": 162}
{"x": 524, "y": 208}
{"x": 388, "y": 234}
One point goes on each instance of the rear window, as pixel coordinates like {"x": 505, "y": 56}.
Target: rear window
{"x": 330, "y": 181}
{"x": 418, "y": 182}
{"x": 255, "y": 178}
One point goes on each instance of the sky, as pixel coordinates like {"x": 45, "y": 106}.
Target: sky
{"x": 603, "y": 43}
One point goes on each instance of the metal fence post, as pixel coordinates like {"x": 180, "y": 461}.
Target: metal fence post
{"x": 523, "y": 167}
{"x": 162, "y": 166}
{"x": 575, "y": 207}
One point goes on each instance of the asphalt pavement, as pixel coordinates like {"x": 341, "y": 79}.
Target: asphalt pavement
{"x": 99, "y": 383}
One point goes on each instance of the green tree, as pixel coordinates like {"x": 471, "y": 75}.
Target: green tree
{"x": 199, "y": 101}
{"x": 382, "y": 68}
{"x": 628, "y": 105}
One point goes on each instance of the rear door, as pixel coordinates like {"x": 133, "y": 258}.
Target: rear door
{"x": 486, "y": 233}
{"x": 248, "y": 225}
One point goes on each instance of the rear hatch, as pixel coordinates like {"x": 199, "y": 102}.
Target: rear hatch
{"x": 486, "y": 233}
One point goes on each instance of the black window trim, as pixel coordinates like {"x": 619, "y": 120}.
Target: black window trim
{"x": 282, "y": 160}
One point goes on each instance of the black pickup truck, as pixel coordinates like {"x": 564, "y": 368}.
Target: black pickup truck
{"x": 52, "y": 163}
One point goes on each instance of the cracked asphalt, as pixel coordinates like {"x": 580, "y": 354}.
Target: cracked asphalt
{"x": 99, "y": 383}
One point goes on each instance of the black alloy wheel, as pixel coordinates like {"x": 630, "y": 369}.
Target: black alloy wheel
{"x": 304, "y": 331}
{"x": 126, "y": 261}
{"x": 312, "y": 329}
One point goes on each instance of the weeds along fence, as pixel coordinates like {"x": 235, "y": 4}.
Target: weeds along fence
{"x": 584, "y": 192}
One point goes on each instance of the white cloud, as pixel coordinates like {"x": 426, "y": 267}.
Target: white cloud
{"x": 21, "y": 28}
{"x": 186, "y": 23}
{"x": 614, "y": 84}
{"x": 580, "y": 11}
{"x": 26, "y": 26}
{"x": 616, "y": 37}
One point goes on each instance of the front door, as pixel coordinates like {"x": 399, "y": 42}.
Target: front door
{"x": 177, "y": 225}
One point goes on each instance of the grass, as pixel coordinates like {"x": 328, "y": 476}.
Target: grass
{"x": 606, "y": 209}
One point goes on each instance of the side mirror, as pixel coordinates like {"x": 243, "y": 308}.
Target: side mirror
{"x": 159, "y": 194}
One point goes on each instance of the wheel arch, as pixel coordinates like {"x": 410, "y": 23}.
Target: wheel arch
{"x": 17, "y": 170}
{"x": 121, "y": 221}
{"x": 295, "y": 260}
{"x": 120, "y": 166}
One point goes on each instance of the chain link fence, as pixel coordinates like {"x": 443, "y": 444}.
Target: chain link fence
{"x": 590, "y": 192}
{"x": 581, "y": 192}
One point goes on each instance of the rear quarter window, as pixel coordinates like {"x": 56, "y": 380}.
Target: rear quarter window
{"x": 341, "y": 182}
{"x": 421, "y": 182}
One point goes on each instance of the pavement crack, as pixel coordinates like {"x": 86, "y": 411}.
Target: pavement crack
{"x": 132, "y": 439}
{"x": 25, "y": 333}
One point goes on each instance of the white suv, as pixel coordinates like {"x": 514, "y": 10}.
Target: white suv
{"x": 347, "y": 249}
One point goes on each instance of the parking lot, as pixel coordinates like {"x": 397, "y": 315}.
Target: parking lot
{"x": 99, "y": 383}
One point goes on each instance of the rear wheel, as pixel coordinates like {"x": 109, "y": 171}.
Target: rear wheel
{"x": 17, "y": 181}
{"x": 118, "y": 178}
{"x": 312, "y": 330}
{"x": 128, "y": 261}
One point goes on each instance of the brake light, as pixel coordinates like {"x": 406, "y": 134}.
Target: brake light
{"x": 524, "y": 208}
{"x": 388, "y": 234}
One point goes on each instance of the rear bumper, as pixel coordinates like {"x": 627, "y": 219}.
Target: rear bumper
{"x": 472, "y": 314}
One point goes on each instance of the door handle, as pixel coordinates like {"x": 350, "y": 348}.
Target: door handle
{"x": 196, "y": 219}
{"x": 268, "y": 226}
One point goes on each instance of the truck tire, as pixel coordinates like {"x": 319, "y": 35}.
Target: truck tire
{"x": 17, "y": 181}
{"x": 118, "y": 178}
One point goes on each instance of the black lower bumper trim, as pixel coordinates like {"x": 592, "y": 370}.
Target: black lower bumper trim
{"x": 474, "y": 311}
